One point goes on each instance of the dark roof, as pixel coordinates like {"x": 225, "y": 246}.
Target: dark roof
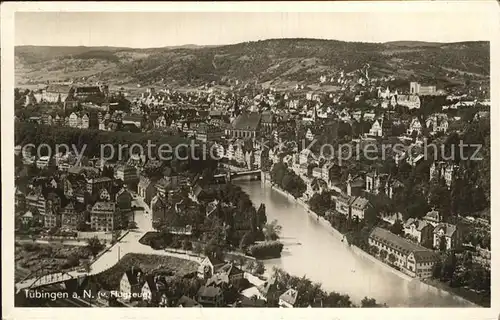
{"x": 246, "y": 302}
{"x": 267, "y": 117}
{"x": 209, "y": 291}
{"x": 76, "y": 284}
{"x": 449, "y": 229}
{"x": 216, "y": 113}
{"x": 402, "y": 245}
{"x": 230, "y": 269}
{"x": 58, "y": 88}
{"x": 247, "y": 121}
{"x": 132, "y": 118}
{"x": 419, "y": 224}
{"x": 101, "y": 179}
{"x": 103, "y": 206}
{"x": 217, "y": 280}
{"x": 187, "y": 302}
{"x": 267, "y": 286}
{"x": 214, "y": 261}
{"x": 90, "y": 89}
{"x": 168, "y": 172}
{"x": 345, "y": 198}
{"x": 154, "y": 285}
{"x": 132, "y": 275}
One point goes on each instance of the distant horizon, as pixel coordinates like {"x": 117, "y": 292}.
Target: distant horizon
{"x": 236, "y": 43}
{"x": 148, "y": 30}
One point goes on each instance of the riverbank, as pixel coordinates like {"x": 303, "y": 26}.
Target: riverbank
{"x": 365, "y": 255}
{"x": 469, "y": 296}
{"x": 325, "y": 223}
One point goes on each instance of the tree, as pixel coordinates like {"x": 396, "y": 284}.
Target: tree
{"x": 397, "y": 228}
{"x": 369, "y": 303}
{"x": 272, "y": 230}
{"x": 391, "y": 257}
{"x": 437, "y": 269}
{"x": 261, "y": 215}
{"x": 442, "y": 243}
{"x": 186, "y": 244}
{"x": 440, "y": 198}
{"x": 213, "y": 250}
{"x": 246, "y": 240}
{"x": 158, "y": 224}
{"x": 259, "y": 267}
{"x": 132, "y": 225}
{"x": 197, "y": 248}
{"x": 449, "y": 266}
{"x": 82, "y": 226}
{"x": 383, "y": 254}
{"x": 71, "y": 261}
{"x": 115, "y": 235}
{"x": 94, "y": 245}
{"x": 207, "y": 176}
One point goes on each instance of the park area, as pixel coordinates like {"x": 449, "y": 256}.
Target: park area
{"x": 31, "y": 257}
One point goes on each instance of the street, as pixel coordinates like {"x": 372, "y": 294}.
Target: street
{"x": 128, "y": 244}
{"x": 142, "y": 217}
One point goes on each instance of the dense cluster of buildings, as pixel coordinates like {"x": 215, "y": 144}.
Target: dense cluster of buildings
{"x": 218, "y": 278}
{"x": 77, "y": 197}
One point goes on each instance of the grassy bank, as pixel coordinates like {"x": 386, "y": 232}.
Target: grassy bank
{"x": 110, "y": 279}
{"x": 474, "y": 297}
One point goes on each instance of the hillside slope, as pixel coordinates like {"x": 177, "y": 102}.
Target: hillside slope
{"x": 261, "y": 61}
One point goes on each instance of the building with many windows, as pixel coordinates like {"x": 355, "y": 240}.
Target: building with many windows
{"x": 208, "y": 132}
{"x": 69, "y": 217}
{"x": 37, "y": 201}
{"x": 96, "y": 185}
{"x": 246, "y": 125}
{"x": 417, "y": 88}
{"x": 126, "y": 173}
{"x": 409, "y": 257}
{"x": 43, "y": 162}
{"x": 104, "y": 216}
{"x": 51, "y": 219}
{"x": 448, "y": 233}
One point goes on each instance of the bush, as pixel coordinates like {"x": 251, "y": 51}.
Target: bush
{"x": 187, "y": 245}
{"x": 156, "y": 244}
{"x": 71, "y": 262}
{"x": 266, "y": 250}
{"x": 31, "y": 247}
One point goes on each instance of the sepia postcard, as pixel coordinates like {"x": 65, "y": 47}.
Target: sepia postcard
{"x": 281, "y": 156}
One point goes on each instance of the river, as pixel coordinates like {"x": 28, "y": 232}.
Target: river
{"x": 314, "y": 251}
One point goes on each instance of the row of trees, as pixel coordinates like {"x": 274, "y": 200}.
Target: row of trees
{"x": 266, "y": 250}
{"x": 287, "y": 180}
{"x": 461, "y": 271}
{"x": 320, "y": 203}
{"x": 91, "y": 141}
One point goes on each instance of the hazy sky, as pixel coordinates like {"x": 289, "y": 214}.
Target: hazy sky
{"x": 142, "y": 30}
